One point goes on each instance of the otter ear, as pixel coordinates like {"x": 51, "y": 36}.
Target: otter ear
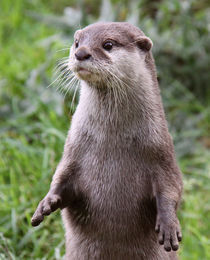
{"x": 77, "y": 33}
{"x": 144, "y": 43}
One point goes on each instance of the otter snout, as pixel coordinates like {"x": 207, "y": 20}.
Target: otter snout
{"x": 82, "y": 63}
{"x": 82, "y": 54}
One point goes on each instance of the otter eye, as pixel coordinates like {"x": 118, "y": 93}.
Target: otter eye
{"x": 108, "y": 46}
{"x": 76, "y": 43}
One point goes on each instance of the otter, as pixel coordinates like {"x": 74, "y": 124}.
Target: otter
{"x": 118, "y": 184}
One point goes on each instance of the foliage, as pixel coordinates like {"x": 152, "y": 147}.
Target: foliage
{"x": 34, "y": 119}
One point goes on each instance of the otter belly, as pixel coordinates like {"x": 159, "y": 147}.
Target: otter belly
{"x": 114, "y": 189}
{"x": 114, "y": 212}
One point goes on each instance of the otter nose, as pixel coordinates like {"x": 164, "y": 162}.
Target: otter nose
{"x": 82, "y": 54}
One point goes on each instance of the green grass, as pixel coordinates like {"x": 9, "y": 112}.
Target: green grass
{"x": 34, "y": 121}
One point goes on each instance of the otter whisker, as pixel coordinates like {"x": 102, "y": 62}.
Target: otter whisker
{"x": 116, "y": 82}
{"x": 65, "y": 88}
{"x": 71, "y": 83}
{"x": 54, "y": 81}
{"x": 61, "y": 65}
{"x": 61, "y": 72}
{"x": 63, "y": 58}
{"x": 75, "y": 92}
{"x": 62, "y": 84}
{"x": 64, "y": 49}
{"x": 62, "y": 78}
{"x": 122, "y": 89}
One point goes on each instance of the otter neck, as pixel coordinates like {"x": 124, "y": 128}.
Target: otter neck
{"x": 134, "y": 104}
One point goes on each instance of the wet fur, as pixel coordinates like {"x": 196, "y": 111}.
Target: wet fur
{"x": 118, "y": 179}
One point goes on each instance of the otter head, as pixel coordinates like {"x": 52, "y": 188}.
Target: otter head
{"x": 109, "y": 53}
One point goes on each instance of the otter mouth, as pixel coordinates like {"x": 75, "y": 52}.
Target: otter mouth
{"x": 82, "y": 72}
{"x": 82, "y": 69}
{"x": 85, "y": 72}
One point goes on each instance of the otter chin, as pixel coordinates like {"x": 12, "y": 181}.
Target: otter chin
{"x": 83, "y": 73}
{"x": 118, "y": 184}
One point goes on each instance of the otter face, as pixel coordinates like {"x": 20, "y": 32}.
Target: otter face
{"x": 107, "y": 53}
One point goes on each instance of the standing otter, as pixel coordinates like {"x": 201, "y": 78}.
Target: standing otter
{"x": 118, "y": 181}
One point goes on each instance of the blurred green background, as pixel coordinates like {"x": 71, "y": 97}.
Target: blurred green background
{"x": 34, "y": 119}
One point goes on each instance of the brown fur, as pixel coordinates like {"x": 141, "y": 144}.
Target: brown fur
{"x": 118, "y": 179}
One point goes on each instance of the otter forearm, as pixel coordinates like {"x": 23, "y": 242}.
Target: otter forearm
{"x": 61, "y": 189}
{"x": 60, "y": 192}
{"x": 165, "y": 206}
{"x": 63, "y": 181}
{"x": 167, "y": 224}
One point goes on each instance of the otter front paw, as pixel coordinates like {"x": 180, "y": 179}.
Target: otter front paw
{"x": 169, "y": 232}
{"x": 50, "y": 203}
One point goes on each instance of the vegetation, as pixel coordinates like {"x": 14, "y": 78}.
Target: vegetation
{"x": 34, "y": 119}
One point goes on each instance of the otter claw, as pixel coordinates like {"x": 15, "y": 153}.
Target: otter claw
{"x": 169, "y": 234}
{"x": 49, "y": 204}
